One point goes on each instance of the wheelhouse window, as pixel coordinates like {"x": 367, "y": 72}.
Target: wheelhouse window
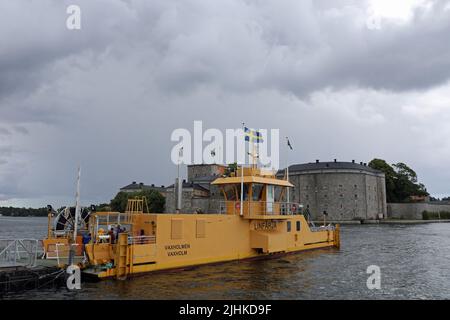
{"x": 298, "y": 225}
{"x": 288, "y": 226}
{"x": 230, "y": 192}
{"x": 257, "y": 191}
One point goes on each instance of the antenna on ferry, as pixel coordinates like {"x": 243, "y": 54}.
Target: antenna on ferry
{"x": 287, "y": 168}
{"x": 241, "y": 213}
{"x": 179, "y": 184}
{"x": 77, "y": 205}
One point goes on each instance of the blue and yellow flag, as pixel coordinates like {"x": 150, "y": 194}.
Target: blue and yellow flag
{"x": 252, "y": 135}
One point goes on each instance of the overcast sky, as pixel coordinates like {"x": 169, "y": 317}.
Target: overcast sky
{"x": 344, "y": 79}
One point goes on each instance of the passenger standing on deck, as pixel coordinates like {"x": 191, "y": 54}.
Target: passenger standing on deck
{"x": 118, "y": 231}
{"x": 86, "y": 240}
{"x": 111, "y": 235}
{"x": 142, "y": 237}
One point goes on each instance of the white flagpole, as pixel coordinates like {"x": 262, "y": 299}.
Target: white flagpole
{"x": 242, "y": 181}
{"x": 180, "y": 192}
{"x": 77, "y": 206}
{"x": 287, "y": 174}
{"x": 242, "y": 190}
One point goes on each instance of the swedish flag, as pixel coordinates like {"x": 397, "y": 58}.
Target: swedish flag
{"x": 252, "y": 135}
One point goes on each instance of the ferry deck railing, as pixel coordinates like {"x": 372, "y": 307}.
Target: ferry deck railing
{"x": 260, "y": 207}
{"x": 141, "y": 240}
{"x": 105, "y": 220}
{"x": 264, "y": 208}
{"x": 116, "y": 218}
{"x": 322, "y": 228}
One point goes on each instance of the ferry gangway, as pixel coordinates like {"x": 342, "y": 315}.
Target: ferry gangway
{"x": 19, "y": 252}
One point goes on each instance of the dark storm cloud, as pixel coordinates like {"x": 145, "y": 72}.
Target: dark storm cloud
{"x": 4, "y": 131}
{"x": 292, "y": 46}
{"x": 35, "y": 40}
{"x": 397, "y": 57}
{"x": 21, "y": 129}
{"x": 108, "y": 96}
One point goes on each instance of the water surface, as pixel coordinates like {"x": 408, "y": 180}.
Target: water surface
{"x": 414, "y": 262}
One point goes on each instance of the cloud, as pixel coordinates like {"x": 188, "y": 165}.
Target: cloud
{"x": 21, "y": 129}
{"x": 109, "y": 95}
{"x": 4, "y": 131}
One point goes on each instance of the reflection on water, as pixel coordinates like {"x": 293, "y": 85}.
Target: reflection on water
{"x": 414, "y": 262}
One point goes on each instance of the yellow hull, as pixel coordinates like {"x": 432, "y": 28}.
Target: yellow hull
{"x": 186, "y": 240}
{"x": 137, "y": 270}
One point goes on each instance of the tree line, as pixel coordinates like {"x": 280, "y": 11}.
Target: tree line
{"x": 155, "y": 201}
{"x": 23, "y": 212}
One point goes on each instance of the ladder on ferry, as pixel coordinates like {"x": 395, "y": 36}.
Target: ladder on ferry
{"x": 122, "y": 257}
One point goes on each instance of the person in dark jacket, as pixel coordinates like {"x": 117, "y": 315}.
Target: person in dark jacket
{"x": 112, "y": 238}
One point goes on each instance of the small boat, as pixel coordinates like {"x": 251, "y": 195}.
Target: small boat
{"x": 252, "y": 221}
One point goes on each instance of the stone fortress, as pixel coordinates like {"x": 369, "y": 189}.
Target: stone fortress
{"x": 345, "y": 190}
{"x": 198, "y": 195}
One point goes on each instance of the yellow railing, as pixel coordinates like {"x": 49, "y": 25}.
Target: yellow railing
{"x": 259, "y": 208}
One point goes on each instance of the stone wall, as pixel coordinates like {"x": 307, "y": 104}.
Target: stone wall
{"x": 202, "y": 170}
{"x": 413, "y": 211}
{"x": 186, "y": 203}
{"x": 344, "y": 194}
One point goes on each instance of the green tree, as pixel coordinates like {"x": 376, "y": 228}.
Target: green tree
{"x": 232, "y": 167}
{"x": 401, "y": 181}
{"x": 23, "y": 212}
{"x": 405, "y": 171}
{"x": 390, "y": 176}
{"x": 103, "y": 207}
{"x": 155, "y": 200}
{"x": 119, "y": 203}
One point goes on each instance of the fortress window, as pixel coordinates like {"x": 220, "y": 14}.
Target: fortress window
{"x": 298, "y": 225}
{"x": 356, "y": 196}
{"x": 307, "y": 197}
{"x": 356, "y": 187}
{"x": 288, "y": 226}
{"x": 342, "y": 195}
{"x": 325, "y": 196}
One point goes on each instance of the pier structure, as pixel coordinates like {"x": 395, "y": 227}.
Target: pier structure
{"x": 22, "y": 267}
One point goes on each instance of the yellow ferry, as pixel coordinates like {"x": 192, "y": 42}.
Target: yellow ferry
{"x": 252, "y": 222}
